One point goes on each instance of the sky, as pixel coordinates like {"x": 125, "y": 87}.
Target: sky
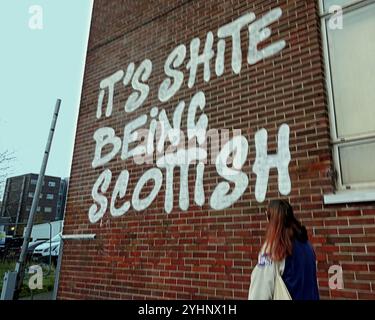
{"x": 42, "y": 56}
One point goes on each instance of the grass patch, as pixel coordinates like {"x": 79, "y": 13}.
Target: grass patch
{"x": 48, "y": 279}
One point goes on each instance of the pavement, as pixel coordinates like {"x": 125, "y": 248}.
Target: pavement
{"x": 40, "y": 296}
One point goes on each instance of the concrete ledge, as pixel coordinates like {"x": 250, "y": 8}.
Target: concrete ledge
{"x": 350, "y": 196}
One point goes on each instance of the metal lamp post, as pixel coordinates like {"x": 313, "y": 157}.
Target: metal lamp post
{"x": 20, "y": 266}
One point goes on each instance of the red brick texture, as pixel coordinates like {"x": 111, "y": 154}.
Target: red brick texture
{"x": 202, "y": 253}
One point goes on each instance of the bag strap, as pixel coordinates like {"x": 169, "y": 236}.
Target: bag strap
{"x": 277, "y": 269}
{"x": 277, "y": 266}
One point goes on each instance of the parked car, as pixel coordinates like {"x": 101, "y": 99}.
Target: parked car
{"x": 49, "y": 248}
{"x": 32, "y": 246}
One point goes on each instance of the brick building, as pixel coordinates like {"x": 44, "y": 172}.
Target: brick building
{"x": 285, "y": 85}
{"x": 18, "y": 198}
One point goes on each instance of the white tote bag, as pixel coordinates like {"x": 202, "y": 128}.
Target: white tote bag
{"x": 280, "y": 291}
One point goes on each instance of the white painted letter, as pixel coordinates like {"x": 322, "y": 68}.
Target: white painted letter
{"x": 168, "y": 164}
{"x": 151, "y": 174}
{"x": 182, "y": 159}
{"x": 220, "y": 199}
{"x": 233, "y": 29}
{"x": 264, "y": 162}
{"x": 197, "y": 129}
{"x": 136, "y": 99}
{"x": 120, "y": 191}
{"x": 103, "y": 183}
{"x": 152, "y": 131}
{"x": 104, "y": 136}
{"x": 130, "y": 136}
{"x": 185, "y": 158}
{"x": 174, "y": 134}
{"x": 167, "y": 90}
{"x": 258, "y": 33}
{"x": 196, "y": 59}
{"x": 109, "y": 83}
{"x": 199, "y": 188}
{"x": 220, "y": 58}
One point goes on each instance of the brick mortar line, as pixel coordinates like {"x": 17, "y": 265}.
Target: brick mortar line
{"x": 114, "y": 38}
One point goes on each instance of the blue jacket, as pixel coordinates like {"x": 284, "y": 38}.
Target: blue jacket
{"x": 298, "y": 272}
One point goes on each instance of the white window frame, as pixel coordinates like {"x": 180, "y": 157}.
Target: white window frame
{"x": 355, "y": 140}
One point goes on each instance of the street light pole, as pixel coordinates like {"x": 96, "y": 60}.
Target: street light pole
{"x": 20, "y": 266}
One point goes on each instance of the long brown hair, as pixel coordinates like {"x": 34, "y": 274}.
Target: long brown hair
{"x": 282, "y": 229}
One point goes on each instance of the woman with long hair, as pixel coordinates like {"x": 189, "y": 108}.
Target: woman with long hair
{"x": 286, "y": 252}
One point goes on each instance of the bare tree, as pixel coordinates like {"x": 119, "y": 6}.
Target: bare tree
{"x": 6, "y": 158}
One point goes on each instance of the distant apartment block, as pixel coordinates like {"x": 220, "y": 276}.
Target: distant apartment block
{"x": 18, "y": 197}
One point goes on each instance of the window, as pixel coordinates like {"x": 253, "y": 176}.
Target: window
{"x": 33, "y": 181}
{"x": 49, "y": 196}
{"x": 31, "y": 195}
{"x": 56, "y": 238}
{"x": 350, "y": 64}
{"x": 47, "y": 209}
{"x": 52, "y": 184}
{"x": 328, "y": 3}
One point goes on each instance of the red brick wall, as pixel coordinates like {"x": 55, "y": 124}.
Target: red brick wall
{"x": 203, "y": 253}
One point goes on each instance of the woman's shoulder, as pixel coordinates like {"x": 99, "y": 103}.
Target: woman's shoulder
{"x": 302, "y": 246}
{"x": 265, "y": 257}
